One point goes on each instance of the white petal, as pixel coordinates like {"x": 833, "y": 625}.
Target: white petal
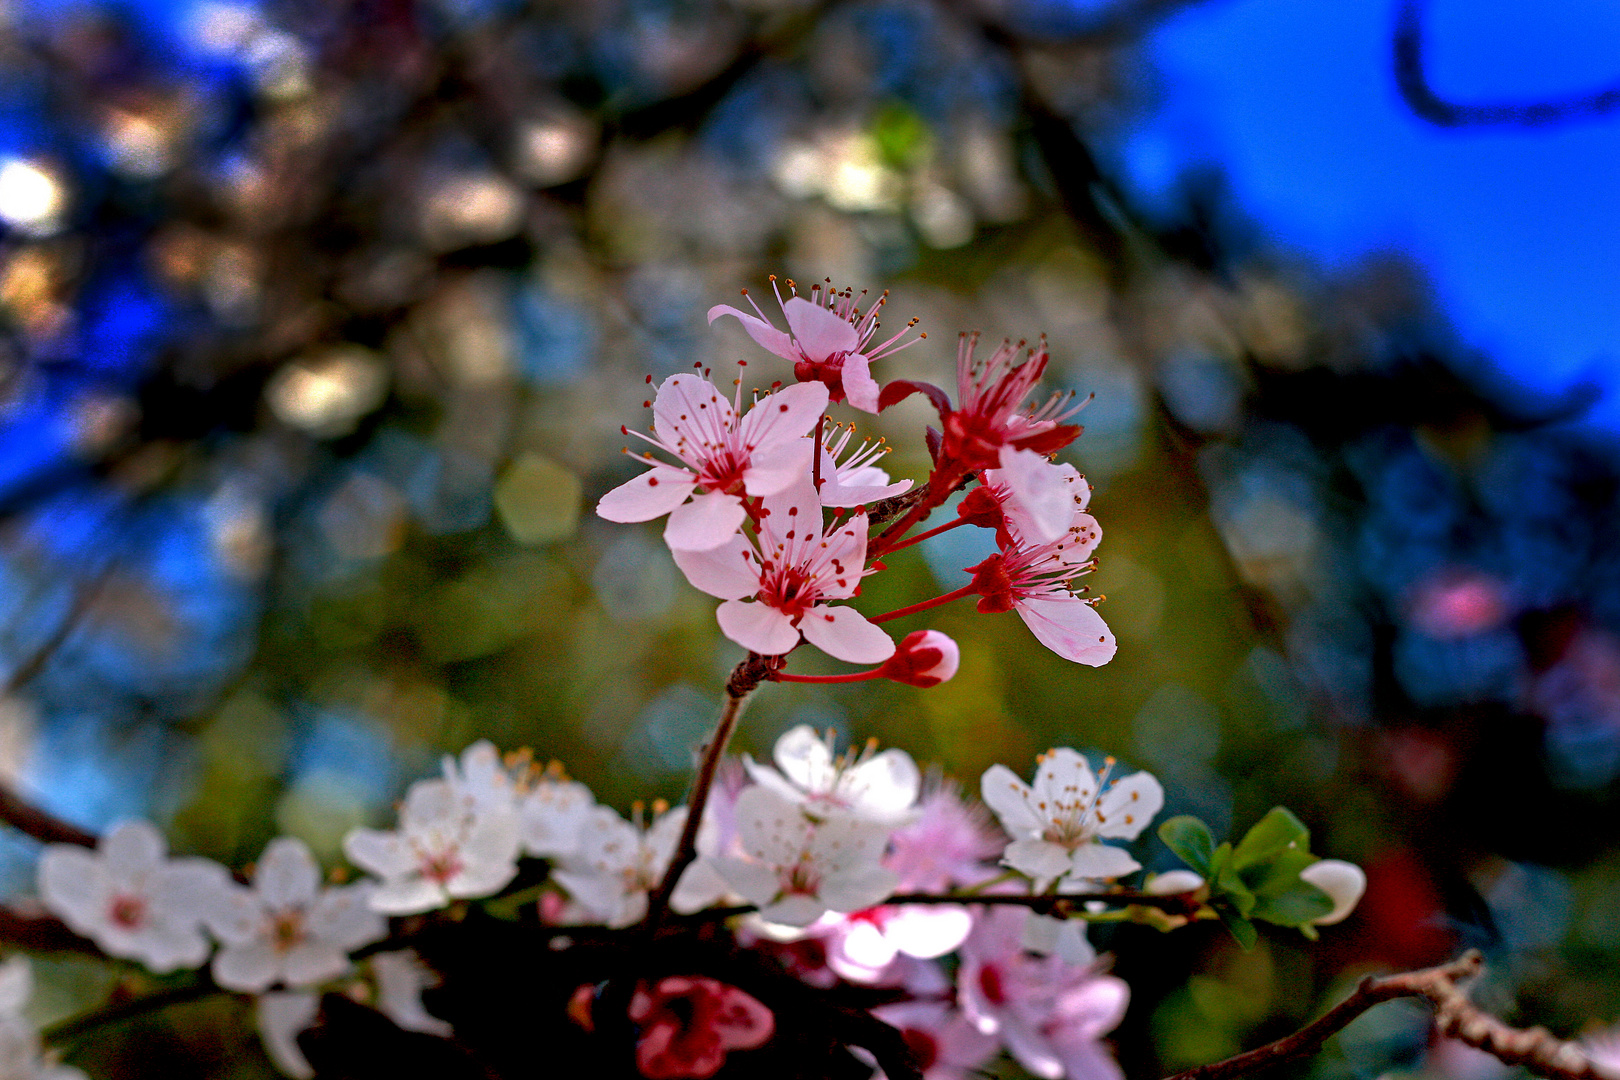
{"x": 342, "y": 917}
{"x": 132, "y": 848}
{"x": 1069, "y": 627}
{"x": 401, "y": 978}
{"x": 858, "y": 889}
{"x": 817, "y": 331}
{"x": 845, "y": 634}
{"x": 754, "y": 882}
{"x": 728, "y": 572}
{"x": 705, "y": 523}
{"x": 885, "y": 784}
{"x": 758, "y": 329}
{"x": 408, "y": 896}
{"x": 1039, "y": 859}
{"x": 16, "y": 985}
{"x": 281, "y": 1017}
{"x": 1126, "y": 808}
{"x": 757, "y": 627}
{"x": 804, "y": 757}
{"x": 186, "y": 890}
{"x": 652, "y": 494}
{"x": 783, "y": 418}
{"x": 1093, "y": 862}
{"x": 770, "y": 828}
{"x": 166, "y": 947}
{"x": 1344, "y": 882}
{"x": 74, "y": 885}
{"x": 1008, "y": 796}
{"x": 287, "y": 875}
{"x": 236, "y": 915}
{"x": 927, "y": 932}
{"x": 795, "y": 910}
{"x": 248, "y": 968}
{"x": 382, "y": 853}
{"x": 1064, "y": 775}
{"x": 312, "y": 962}
{"x": 689, "y": 413}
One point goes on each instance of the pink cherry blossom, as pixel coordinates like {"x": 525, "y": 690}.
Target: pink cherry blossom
{"x": 725, "y": 456}
{"x": 1050, "y": 1015}
{"x": 828, "y": 340}
{"x": 1035, "y": 579}
{"x": 863, "y": 945}
{"x": 781, "y": 588}
{"x": 951, "y": 843}
{"x": 944, "y": 1043}
{"x": 855, "y": 481}
{"x": 1031, "y": 498}
{"x": 991, "y": 414}
{"x": 688, "y": 1024}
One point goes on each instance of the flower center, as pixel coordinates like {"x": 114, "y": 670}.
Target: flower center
{"x": 440, "y": 867}
{"x": 127, "y": 912}
{"x": 923, "y": 1046}
{"x": 287, "y": 930}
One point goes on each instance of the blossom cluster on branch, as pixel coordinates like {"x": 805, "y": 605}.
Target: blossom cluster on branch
{"x": 963, "y": 922}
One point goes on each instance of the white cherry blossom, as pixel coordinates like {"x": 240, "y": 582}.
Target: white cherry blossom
{"x": 783, "y": 586}
{"x": 1059, "y": 823}
{"x": 443, "y": 850}
{"x": 281, "y": 1015}
{"x": 401, "y": 977}
{"x": 21, "y": 1056}
{"x": 552, "y": 813}
{"x": 131, "y": 899}
{"x": 1344, "y": 882}
{"x": 798, "y": 868}
{"x": 724, "y": 456}
{"x": 876, "y": 787}
{"x": 286, "y": 928}
{"x": 481, "y": 779}
{"x": 617, "y": 863}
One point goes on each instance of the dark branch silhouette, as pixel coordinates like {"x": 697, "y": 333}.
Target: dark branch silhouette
{"x": 1411, "y": 78}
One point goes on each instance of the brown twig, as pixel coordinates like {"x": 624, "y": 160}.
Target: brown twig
{"x": 1537, "y": 1049}
{"x": 745, "y": 679}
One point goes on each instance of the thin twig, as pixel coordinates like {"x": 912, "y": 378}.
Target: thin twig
{"x": 129, "y": 1008}
{"x": 1537, "y": 1049}
{"x": 744, "y": 680}
{"x": 1062, "y": 905}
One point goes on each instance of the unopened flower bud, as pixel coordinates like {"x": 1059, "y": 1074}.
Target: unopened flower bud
{"x": 1344, "y": 882}
{"x": 925, "y": 658}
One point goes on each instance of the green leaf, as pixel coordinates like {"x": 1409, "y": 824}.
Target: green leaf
{"x": 1190, "y": 839}
{"x": 1274, "y": 833}
{"x": 1280, "y": 874}
{"x": 1239, "y": 927}
{"x": 1230, "y": 888}
{"x": 1298, "y": 906}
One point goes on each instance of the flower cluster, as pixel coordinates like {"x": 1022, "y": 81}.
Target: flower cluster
{"x": 764, "y": 516}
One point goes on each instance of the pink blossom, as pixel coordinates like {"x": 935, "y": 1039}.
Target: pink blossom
{"x": 991, "y": 414}
{"x": 1031, "y": 498}
{"x": 924, "y": 658}
{"x": 944, "y": 1043}
{"x": 776, "y": 592}
{"x": 689, "y": 1023}
{"x": 1049, "y": 1014}
{"x": 856, "y": 480}
{"x": 863, "y": 945}
{"x": 1035, "y": 579}
{"x": 829, "y": 339}
{"x": 950, "y": 843}
{"x": 725, "y": 456}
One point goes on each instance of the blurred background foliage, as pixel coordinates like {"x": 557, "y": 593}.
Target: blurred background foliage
{"x": 321, "y": 318}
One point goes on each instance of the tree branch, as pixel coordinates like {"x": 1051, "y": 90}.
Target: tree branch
{"x": 1537, "y": 1049}
{"x": 1412, "y": 79}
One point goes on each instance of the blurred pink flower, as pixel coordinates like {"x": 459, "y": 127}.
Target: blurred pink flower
{"x": 945, "y": 1045}
{"x": 689, "y": 1023}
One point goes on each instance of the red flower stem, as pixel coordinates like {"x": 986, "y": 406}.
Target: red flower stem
{"x": 970, "y": 589}
{"x": 815, "y": 465}
{"x": 854, "y": 676}
{"x": 920, "y": 537}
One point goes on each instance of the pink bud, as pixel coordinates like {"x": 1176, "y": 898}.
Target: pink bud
{"x": 925, "y": 658}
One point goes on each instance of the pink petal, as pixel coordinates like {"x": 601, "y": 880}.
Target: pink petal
{"x": 860, "y": 389}
{"x": 783, "y": 417}
{"x": 728, "y": 572}
{"x": 757, "y": 627}
{"x": 758, "y": 329}
{"x": 704, "y": 523}
{"x": 652, "y": 494}
{"x": 844, "y": 633}
{"x": 691, "y": 416}
{"x": 775, "y": 469}
{"x": 820, "y": 333}
{"x": 1043, "y": 504}
{"x": 1070, "y": 628}
{"x": 847, "y": 546}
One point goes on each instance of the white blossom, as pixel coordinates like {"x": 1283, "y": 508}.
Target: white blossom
{"x": 286, "y": 928}
{"x": 1344, "y": 882}
{"x": 281, "y": 1016}
{"x": 445, "y": 849}
{"x": 880, "y": 788}
{"x": 552, "y": 813}
{"x": 1058, "y": 824}
{"x": 401, "y": 977}
{"x": 131, "y": 899}
{"x": 481, "y": 779}
{"x": 617, "y": 863}
{"x": 800, "y": 868}
{"x": 21, "y": 1057}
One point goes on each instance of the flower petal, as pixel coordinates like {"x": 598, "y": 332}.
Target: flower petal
{"x": 845, "y": 634}
{"x": 1039, "y": 859}
{"x": 691, "y": 416}
{"x": 1008, "y": 796}
{"x": 860, "y": 389}
{"x": 757, "y": 627}
{"x": 1069, "y": 627}
{"x": 132, "y": 848}
{"x": 1126, "y": 808}
{"x": 1344, "y": 882}
{"x": 784, "y": 417}
{"x": 1042, "y": 505}
{"x": 758, "y": 329}
{"x": 287, "y": 875}
{"x": 704, "y": 523}
{"x": 778, "y": 467}
{"x": 727, "y": 572}
{"x": 819, "y": 332}
{"x": 248, "y": 968}
{"x": 1092, "y": 862}
{"x": 652, "y": 494}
